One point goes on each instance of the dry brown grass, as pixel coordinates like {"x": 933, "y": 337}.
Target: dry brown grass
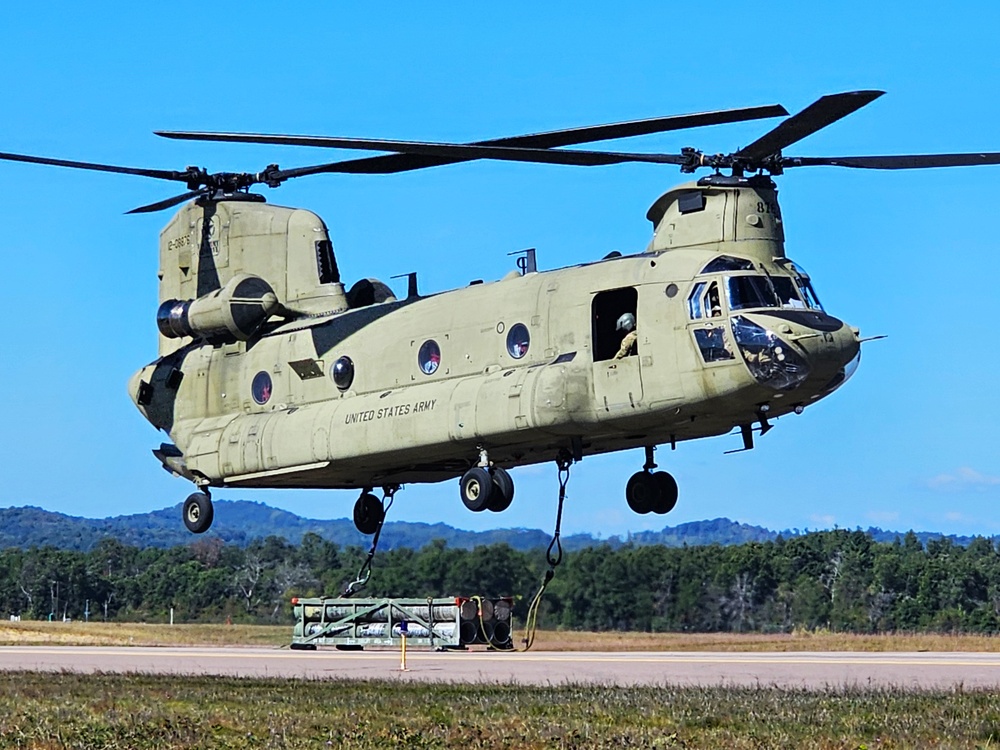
{"x": 135, "y": 634}
{"x": 558, "y": 640}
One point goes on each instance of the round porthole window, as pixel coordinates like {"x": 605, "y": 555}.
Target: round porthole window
{"x": 429, "y": 357}
{"x": 261, "y": 388}
{"x": 343, "y": 373}
{"x": 518, "y": 340}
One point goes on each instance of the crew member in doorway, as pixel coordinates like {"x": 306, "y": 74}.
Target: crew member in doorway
{"x": 627, "y": 323}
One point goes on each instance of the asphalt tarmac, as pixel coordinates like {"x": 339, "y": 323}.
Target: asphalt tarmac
{"x": 811, "y": 670}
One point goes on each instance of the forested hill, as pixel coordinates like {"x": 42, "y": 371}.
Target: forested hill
{"x": 240, "y": 522}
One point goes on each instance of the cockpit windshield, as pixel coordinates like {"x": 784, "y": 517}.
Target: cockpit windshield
{"x": 785, "y": 288}
{"x": 750, "y": 291}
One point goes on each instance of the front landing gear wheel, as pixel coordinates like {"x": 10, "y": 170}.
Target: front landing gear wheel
{"x": 503, "y": 490}
{"x": 666, "y": 491}
{"x": 641, "y": 492}
{"x": 198, "y": 512}
{"x": 368, "y": 513}
{"x": 477, "y": 489}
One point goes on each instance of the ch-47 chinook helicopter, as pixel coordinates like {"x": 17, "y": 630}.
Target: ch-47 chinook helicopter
{"x": 272, "y": 373}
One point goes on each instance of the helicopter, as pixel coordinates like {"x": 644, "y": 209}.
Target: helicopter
{"x": 273, "y": 373}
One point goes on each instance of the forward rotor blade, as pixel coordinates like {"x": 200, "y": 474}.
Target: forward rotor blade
{"x": 504, "y": 153}
{"x": 499, "y": 153}
{"x": 905, "y": 161}
{"x": 824, "y": 111}
{"x": 550, "y": 139}
{"x": 167, "y": 203}
{"x": 403, "y": 162}
{"x": 159, "y": 174}
{"x": 630, "y": 128}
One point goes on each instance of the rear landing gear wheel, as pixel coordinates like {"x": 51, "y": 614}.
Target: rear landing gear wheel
{"x": 368, "y": 513}
{"x": 647, "y": 492}
{"x": 503, "y": 490}
{"x": 666, "y": 491}
{"x": 477, "y": 489}
{"x": 198, "y": 512}
{"x": 641, "y": 492}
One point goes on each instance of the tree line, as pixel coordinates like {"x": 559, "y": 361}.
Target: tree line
{"x": 841, "y": 580}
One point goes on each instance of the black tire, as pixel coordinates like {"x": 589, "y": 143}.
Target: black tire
{"x": 666, "y": 487}
{"x": 368, "y": 513}
{"x": 198, "y": 512}
{"x": 503, "y": 490}
{"x": 476, "y": 489}
{"x": 641, "y": 492}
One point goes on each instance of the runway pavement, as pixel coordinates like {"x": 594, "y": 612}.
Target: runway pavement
{"x": 801, "y": 670}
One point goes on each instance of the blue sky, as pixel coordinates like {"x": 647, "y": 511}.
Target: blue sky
{"x": 911, "y": 441}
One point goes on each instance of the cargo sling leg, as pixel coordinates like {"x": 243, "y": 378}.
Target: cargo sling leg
{"x": 365, "y": 573}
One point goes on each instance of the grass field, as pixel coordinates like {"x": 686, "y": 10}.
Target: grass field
{"x": 138, "y": 711}
{"x": 133, "y": 634}
{"x": 65, "y": 710}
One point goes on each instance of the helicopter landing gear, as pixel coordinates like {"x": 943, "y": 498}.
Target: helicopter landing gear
{"x": 198, "y": 512}
{"x": 503, "y": 490}
{"x": 648, "y": 491}
{"x": 486, "y": 487}
{"x": 476, "y": 488}
{"x": 368, "y": 513}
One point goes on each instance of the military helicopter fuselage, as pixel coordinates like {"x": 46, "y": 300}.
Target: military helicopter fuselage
{"x": 271, "y": 373}
{"x": 332, "y": 389}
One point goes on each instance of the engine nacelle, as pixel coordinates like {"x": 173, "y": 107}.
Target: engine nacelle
{"x": 237, "y": 311}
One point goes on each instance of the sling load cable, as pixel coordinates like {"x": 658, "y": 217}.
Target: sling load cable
{"x": 365, "y": 573}
{"x": 553, "y": 556}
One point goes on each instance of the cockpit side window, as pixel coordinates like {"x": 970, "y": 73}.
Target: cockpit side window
{"x": 694, "y": 301}
{"x": 805, "y": 287}
{"x": 704, "y": 301}
{"x": 712, "y": 344}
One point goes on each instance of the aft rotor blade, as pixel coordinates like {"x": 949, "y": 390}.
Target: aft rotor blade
{"x": 403, "y": 162}
{"x": 824, "y": 111}
{"x": 167, "y": 203}
{"x": 159, "y": 174}
{"x": 903, "y": 161}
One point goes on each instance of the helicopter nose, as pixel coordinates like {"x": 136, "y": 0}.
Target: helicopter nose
{"x": 832, "y": 349}
{"x": 837, "y": 360}
{"x": 810, "y": 353}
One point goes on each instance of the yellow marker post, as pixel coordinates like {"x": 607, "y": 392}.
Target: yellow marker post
{"x": 402, "y": 646}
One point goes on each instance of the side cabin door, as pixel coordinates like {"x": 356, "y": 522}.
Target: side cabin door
{"x": 617, "y": 372}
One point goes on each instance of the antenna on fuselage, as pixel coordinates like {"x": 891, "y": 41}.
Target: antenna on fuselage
{"x": 411, "y": 283}
{"x": 526, "y": 261}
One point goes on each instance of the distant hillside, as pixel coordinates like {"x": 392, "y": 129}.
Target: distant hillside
{"x": 239, "y": 522}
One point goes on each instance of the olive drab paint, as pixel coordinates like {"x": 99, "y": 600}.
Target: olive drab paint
{"x": 402, "y": 420}
{"x": 273, "y": 373}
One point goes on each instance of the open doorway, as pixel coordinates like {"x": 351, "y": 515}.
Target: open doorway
{"x": 606, "y": 310}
